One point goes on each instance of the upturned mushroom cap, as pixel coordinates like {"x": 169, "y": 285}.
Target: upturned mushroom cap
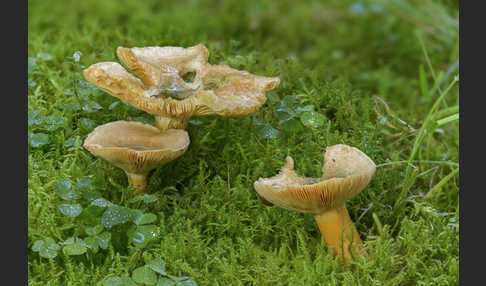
{"x": 159, "y": 89}
{"x": 136, "y": 147}
{"x": 346, "y": 172}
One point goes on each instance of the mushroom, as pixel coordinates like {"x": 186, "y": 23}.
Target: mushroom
{"x": 137, "y": 148}
{"x": 346, "y": 171}
{"x": 158, "y": 86}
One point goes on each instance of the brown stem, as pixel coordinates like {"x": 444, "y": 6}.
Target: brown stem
{"x": 138, "y": 181}
{"x": 339, "y": 232}
{"x": 164, "y": 123}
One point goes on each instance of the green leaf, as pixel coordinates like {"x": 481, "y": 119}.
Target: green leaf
{"x": 287, "y": 103}
{"x": 34, "y": 117}
{"x": 267, "y": 131}
{"x": 195, "y": 122}
{"x": 65, "y": 190}
{"x": 273, "y": 96}
{"x": 146, "y": 198}
{"x": 144, "y": 275}
{"x": 92, "y": 243}
{"x": 164, "y": 281}
{"x": 448, "y": 119}
{"x": 87, "y": 124}
{"x": 264, "y": 129}
{"x": 84, "y": 183}
{"x": 71, "y": 104}
{"x": 38, "y": 139}
{"x": 94, "y": 230}
{"x": 47, "y": 248}
{"x": 175, "y": 278}
{"x": 38, "y": 244}
{"x": 70, "y": 210}
{"x": 70, "y": 142}
{"x": 144, "y": 218}
{"x": 283, "y": 116}
{"x": 104, "y": 239}
{"x": 293, "y": 125}
{"x": 312, "y": 119}
{"x": 101, "y": 202}
{"x": 186, "y": 283}
{"x": 54, "y": 121}
{"x": 91, "y": 106}
{"x": 115, "y": 215}
{"x": 144, "y": 234}
{"x": 74, "y": 247}
{"x": 301, "y": 110}
{"x": 91, "y": 215}
{"x": 32, "y": 65}
{"x": 120, "y": 281}
{"x": 91, "y": 195}
{"x": 158, "y": 265}
{"x": 114, "y": 105}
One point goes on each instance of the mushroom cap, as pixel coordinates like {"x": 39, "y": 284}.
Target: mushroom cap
{"x": 216, "y": 89}
{"x": 346, "y": 172}
{"x": 136, "y": 147}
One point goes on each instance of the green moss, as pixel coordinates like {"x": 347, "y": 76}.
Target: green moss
{"x": 334, "y": 55}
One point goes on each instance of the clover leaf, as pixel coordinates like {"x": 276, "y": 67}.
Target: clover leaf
{"x": 47, "y": 248}
{"x": 34, "y": 117}
{"x": 38, "y": 139}
{"x": 164, "y": 281}
{"x": 144, "y": 275}
{"x": 140, "y": 217}
{"x": 91, "y": 215}
{"x": 101, "y": 202}
{"x": 146, "y": 198}
{"x": 54, "y": 121}
{"x": 264, "y": 129}
{"x": 65, "y": 191}
{"x": 74, "y": 246}
{"x": 187, "y": 282}
{"x": 158, "y": 265}
{"x": 312, "y": 119}
{"x": 87, "y": 124}
{"x": 94, "y": 230}
{"x": 115, "y": 215}
{"x": 142, "y": 235}
{"x": 120, "y": 281}
{"x": 70, "y": 210}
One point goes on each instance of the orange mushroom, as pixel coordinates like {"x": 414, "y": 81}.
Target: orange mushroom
{"x": 346, "y": 172}
{"x": 158, "y": 86}
{"x": 137, "y": 148}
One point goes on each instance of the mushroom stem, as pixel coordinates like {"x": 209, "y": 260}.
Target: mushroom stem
{"x": 138, "y": 181}
{"x": 164, "y": 123}
{"x": 339, "y": 232}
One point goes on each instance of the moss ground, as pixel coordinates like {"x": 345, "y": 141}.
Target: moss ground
{"x": 357, "y": 62}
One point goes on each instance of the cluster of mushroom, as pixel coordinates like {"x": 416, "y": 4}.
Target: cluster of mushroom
{"x": 157, "y": 86}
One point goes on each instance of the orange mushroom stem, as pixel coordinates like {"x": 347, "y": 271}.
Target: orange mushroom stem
{"x": 339, "y": 232}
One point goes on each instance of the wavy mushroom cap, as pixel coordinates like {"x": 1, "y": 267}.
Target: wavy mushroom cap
{"x": 136, "y": 147}
{"x": 346, "y": 172}
{"x": 158, "y": 86}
